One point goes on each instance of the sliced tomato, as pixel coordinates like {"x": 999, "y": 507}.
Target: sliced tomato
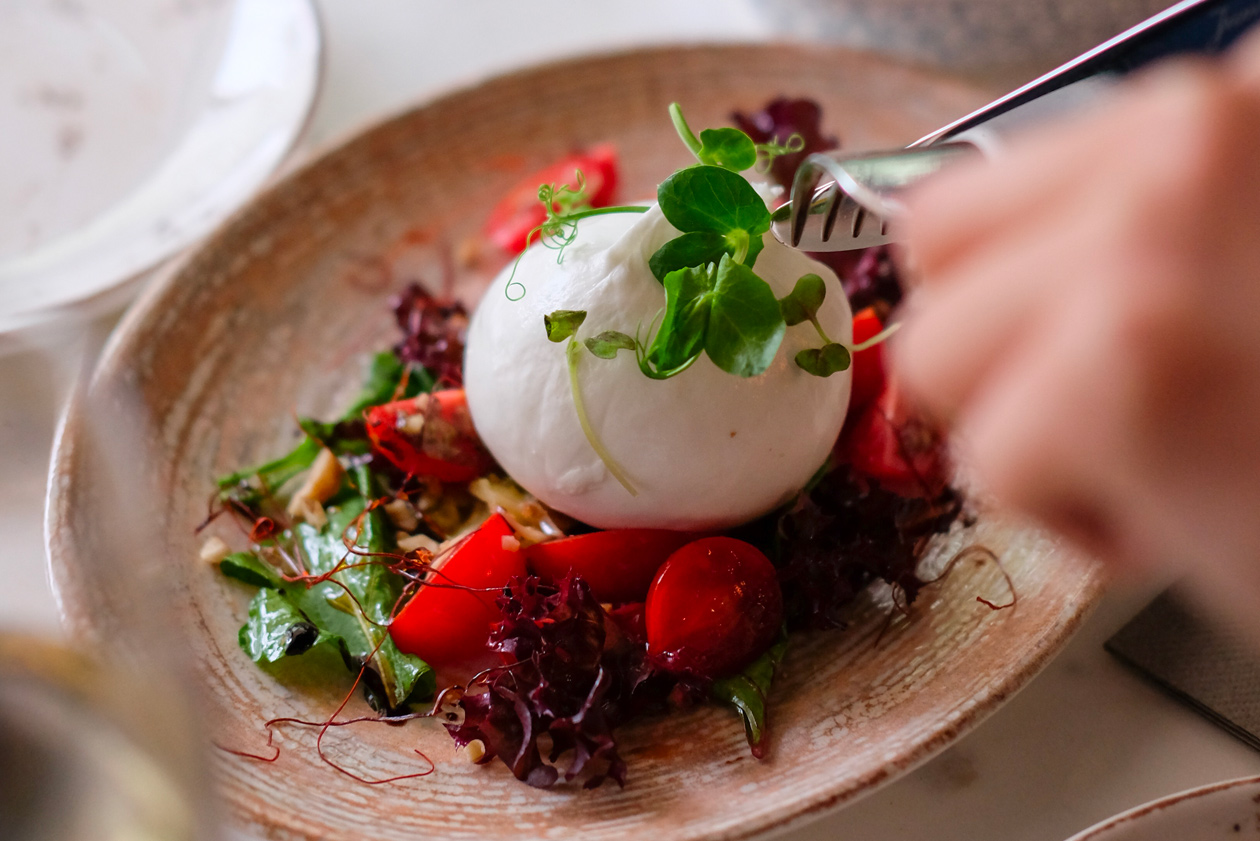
{"x": 868, "y": 365}
{"x": 617, "y": 564}
{"x": 448, "y": 620}
{"x": 713, "y": 608}
{"x": 888, "y": 442}
{"x": 519, "y": 211}
{"x": 429, "y": 435}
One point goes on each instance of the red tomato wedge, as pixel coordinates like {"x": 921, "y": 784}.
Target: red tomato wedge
{"x": 519, "y": 211}
{"x": 868, "y": 365}
{"x": 429, "y": 435}
{"x": 618, "y": 564}
{"x": 445, "y": 625}
{"x": 889, "y": 443}
{"x": 714, "y": 607}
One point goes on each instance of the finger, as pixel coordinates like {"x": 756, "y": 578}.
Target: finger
{"x": 960, "y": 210}
{"x": 954, "y": 332}
{"x": 1038, "y": 433}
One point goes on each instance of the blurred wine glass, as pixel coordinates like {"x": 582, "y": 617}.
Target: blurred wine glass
{"x": 100, "y": 738}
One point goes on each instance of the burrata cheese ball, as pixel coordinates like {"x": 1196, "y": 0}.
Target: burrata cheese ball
{"x": 705, "y": 449}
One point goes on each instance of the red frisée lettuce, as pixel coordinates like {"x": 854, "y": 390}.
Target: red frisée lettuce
{"x": 559, "y": 679}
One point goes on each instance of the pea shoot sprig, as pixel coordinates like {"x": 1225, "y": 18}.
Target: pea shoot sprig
{"x": 715, "y": 303}
{"x": 565, "y": 206}
{"x": 562, "y": 325}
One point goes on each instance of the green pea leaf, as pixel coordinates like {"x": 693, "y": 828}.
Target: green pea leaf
{"x": 709, "y": 198}
{"x": 748, "y": 690}
{"x": 688, "y": 298}
{"x": 249, "y": 568}
{"x": 745, "y": 326}
{"x": 698, "y": 248}
{"x": 275, "y": 473}
{"x": 562, "y": 324}
{"x": 824, "y": 361}
{"x": 804, "y": 301}
{"x": 607, "y": 343}
{"x": 728, "y": 148}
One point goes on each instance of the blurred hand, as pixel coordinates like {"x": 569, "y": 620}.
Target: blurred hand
{"x": 1088, "y": 318}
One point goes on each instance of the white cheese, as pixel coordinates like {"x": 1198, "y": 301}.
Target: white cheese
{"x": 704, "y": 449}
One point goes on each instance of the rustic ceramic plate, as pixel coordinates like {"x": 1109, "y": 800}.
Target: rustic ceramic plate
{"x": 275, "y": 314}
{"x": 1219, "y": 812}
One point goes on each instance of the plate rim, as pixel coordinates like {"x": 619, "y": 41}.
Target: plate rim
{"x": 1159, "y": 804}
{"x": 59, "y": 548}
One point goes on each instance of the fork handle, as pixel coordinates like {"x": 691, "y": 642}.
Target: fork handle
{"x": 1191, "y": 26}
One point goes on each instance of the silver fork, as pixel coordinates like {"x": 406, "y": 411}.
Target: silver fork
{"x": 852, "y": 208}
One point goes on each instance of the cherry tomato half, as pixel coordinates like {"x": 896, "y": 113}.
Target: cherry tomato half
{"x": 617, "y": 564}
{"x": 444, "y": 623}
{"x": 889, "y": 443}
{"x": 429, "y": 435}
{"x": 868, "y": 365}
{"x": 713, "y": 608}
{"x": 519, "y": 211}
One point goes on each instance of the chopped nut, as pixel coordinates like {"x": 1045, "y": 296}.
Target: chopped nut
{"x": 511, "y": 544}
{"x": 214, "y": 550}
{"x": 475, "y": 750}
{"x": 468, "y": 252}
{"x": 412, "y": 542}
{"x": 413, "y": 424}
{"x": 309, "y": 511}
{"x": 402, "y": 515}
{"x": 322, "y": 483}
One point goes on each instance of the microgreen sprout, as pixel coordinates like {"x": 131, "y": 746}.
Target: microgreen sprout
{"x": 767, "y": 152}
{"x": 564, "y": 206}
{"x": 728, "y": 148}
{"x": 607, "y": 343}
{"x": 715, "y": 303}
{"x": 563, "y": 325}
{"x": 802, "y": 304}
{"x": 878, "y": 338}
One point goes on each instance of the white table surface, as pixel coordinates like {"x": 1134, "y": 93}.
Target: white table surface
{"x": 1085, "y": 740}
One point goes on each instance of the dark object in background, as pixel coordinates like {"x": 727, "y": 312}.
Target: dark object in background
{"x": 1210, "y": 667}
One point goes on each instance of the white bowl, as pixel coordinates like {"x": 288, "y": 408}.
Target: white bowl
{"x": 132, "y": 129}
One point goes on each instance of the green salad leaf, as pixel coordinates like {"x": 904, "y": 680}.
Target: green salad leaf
{"x": 351, "y": 609}
{"x": 747, "y": 693}
{"x": 277, "y": 629}
{"x": 247, "y": 567}
{"x": 385, "y": 374}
